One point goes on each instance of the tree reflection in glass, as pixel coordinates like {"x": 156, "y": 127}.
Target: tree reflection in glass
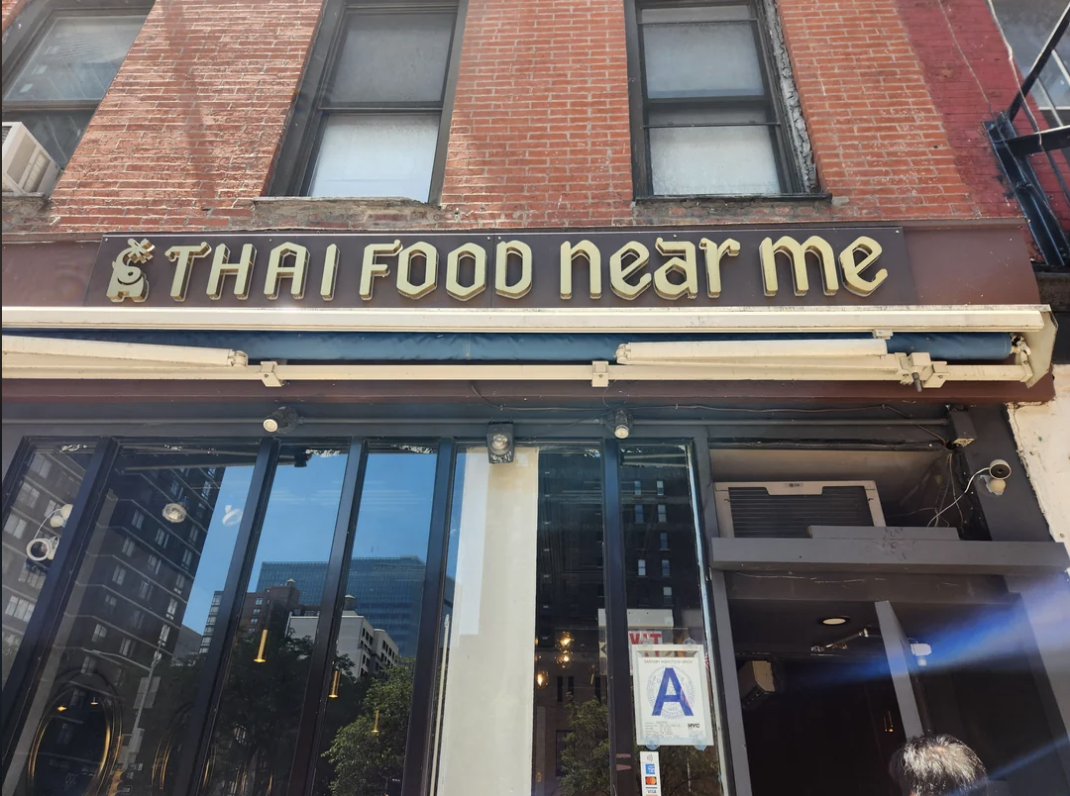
{"x": 255, "y": 732}
{"x": 365, "y": 724}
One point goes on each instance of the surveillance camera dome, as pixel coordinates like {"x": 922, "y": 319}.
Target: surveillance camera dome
{"x": 999, "y": 469}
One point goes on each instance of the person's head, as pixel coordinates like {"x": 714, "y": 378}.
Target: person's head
{"x": 938, "y": 765}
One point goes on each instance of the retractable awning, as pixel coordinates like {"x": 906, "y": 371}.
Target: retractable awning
{"x": 830, "y": 357}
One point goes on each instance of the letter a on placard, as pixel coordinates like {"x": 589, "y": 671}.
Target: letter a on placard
{"x": 669, "y": 679}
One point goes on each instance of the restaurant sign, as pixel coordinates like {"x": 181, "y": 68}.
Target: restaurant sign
{"x": 846, "y": 265}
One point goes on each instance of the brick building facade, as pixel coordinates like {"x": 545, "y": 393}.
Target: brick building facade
{"x": 664, "y": 333}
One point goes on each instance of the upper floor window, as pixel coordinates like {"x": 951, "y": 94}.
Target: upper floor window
{"x": 706, "y": 115}
{"x": 373, "y": 121}
{"x": 57, "y": 73}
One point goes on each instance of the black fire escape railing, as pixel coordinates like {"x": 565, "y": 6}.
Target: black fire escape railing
{"x": 1014, "y": 152}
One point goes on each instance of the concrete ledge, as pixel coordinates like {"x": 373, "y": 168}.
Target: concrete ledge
{"x": 888, "y": 555}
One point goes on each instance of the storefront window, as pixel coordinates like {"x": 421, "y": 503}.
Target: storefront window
{"x": 117, "y": 687}
{"x": 33, "y": 525}
{"x": 255, "y": 729}
{"x": 672, "y": 676}
{"x": 363, "y": 741}
{"x": 522, "y": 707}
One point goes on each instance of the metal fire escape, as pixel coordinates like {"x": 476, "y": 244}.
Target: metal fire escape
{"x": 1015, "y": 152}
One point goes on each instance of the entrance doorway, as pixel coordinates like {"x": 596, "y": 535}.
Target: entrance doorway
{"x": 820, "y": 713}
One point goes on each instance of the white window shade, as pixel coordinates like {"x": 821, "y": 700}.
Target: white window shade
{"x": 389, "y": 155}
{"x": 713, "y": 160}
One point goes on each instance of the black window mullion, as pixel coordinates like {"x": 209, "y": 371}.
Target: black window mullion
{"x": 622, "y": 763}
{"x": 303, "y": 770}
{"x": 13, "y": 475}
{"x": 33, "y": 654}
{"x": 196, "y": 744}
{"x": 414, "y": 781}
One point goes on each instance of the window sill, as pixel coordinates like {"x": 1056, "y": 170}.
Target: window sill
{"x": 823, "y": 198}
{"x": 349, "y": 201}
{"x": 341, "y": 213}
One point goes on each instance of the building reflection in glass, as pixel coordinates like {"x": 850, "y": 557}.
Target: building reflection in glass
{"x": 33, "y": 526}
{"x": 255, "y": 729}
{"x": 124, "y": 669}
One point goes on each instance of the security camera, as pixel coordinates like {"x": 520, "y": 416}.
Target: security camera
{"x": 999, "y": 469}
{"x": 995, "y": 480}
{"x": 282, "y": 421}
{"x": 41, "y": 549}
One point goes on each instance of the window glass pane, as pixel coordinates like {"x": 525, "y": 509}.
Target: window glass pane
{"x": 376, "y": 155}
{"x": 392, "y": 58}
{"x": 255, "y": 731}
{"x": 721, "y": 60}
{"x": 34, "y": 523}
{"x": 1027, "y": 26}
{"x": 76, "y": 59}
{"x": 667, "y": 620}
{"x": 367, "y": 717}
{"x": 523, "y": 705}
{"x": 713, "y": 160}
{"x": 117, "y": 688}
{"x": 58, "y": 132}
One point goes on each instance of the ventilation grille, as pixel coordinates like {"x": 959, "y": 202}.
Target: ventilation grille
{"x": 756, "y": 513}
{"x": 7, "y": 129}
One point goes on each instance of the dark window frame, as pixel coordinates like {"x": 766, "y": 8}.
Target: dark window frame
{"x": 296, "y": 160}
{"x": 791, "y": 182}
{"x": 27, "y": 30}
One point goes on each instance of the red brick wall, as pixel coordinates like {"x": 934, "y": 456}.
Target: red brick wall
{"x": 187, "y": 134}
{"x": 9, "y": 9}
{"x": 967, "y": 67}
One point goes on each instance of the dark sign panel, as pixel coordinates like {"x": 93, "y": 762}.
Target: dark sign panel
{"x": 626, "y": 268}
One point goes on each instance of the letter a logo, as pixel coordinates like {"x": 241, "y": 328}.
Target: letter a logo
{"x": 669, "y": 679}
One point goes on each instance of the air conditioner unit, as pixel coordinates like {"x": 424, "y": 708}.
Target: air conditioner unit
{"x": 28, "y": 168}
{"x": 787, "y": 509}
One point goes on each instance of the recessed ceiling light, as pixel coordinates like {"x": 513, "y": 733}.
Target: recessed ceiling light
{"x": 834, "y": 621}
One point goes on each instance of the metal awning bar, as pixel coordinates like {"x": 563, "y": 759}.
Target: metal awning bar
{"x": 1039, "y": 64}
{"x": 1015, "y": 318}
{"x": 840, "y": 360}
{"x": 1043, "y": 141}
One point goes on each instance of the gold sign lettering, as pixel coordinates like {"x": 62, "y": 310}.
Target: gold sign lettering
{"x": 278, "y": 270}
{"x": 797, "y": 252}
{"x": 619, "y": 272}
{"x": 330, "y": 273}
{"x": 714, "y": 253}
{"x": 522, "y": 286}
{"x": 127, "y": 280}
{"x": 371, "y": 269}
{"x": 183, "y": 257}
{"x": 478, "y": 255}
{"x": 590, "y": 253}
{"x": 429, "y": 254}
{"x": 222, "y": 267}
{"x": 673, "y": 275}
{"x": 852, "y": 271}
{"x": 683, "y": 262}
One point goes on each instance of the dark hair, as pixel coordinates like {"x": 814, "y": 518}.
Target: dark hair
{"x": 938, "y": 765}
